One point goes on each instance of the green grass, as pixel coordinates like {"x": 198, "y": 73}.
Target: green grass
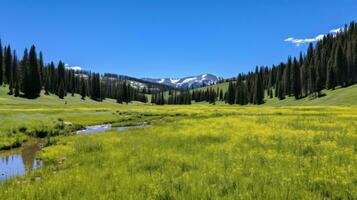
{"x": 221, "y": 86}
{"x": 21, "y": 118}
{"x": 205, "y": 152}
{"x": 47, "y": 114}
{"x": 197, "y": 151}
{"x": 340, "y": 96}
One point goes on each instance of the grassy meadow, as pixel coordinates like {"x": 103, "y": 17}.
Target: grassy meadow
{"x": 22, "y": 118}
{"x": 198, "y": 151}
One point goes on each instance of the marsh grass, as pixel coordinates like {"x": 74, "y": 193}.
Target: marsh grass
{"x": 190, "y": 152}
{"x": 203, "y": 152}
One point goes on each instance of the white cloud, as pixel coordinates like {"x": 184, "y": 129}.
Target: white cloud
{"x": 75, "y": 68}
{"x": 299, "y": 41}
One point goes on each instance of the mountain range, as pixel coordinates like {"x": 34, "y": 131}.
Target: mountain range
{"x": 186, "y": 82}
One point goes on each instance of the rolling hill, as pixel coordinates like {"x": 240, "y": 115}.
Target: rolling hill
{"x": 340, "y": 96}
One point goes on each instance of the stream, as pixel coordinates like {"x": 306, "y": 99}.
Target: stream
{"x": 19, "y": 161}
{"x": 105, "y": 127}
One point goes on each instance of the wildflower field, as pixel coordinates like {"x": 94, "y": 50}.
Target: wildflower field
{"x": 201, "y": 152}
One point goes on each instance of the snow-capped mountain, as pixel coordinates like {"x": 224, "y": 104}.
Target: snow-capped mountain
{"x": 190, "y": 82}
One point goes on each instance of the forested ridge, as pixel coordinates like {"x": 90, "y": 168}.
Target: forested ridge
{"x": 28, "y": 76}
{"x": 330, "y": 63}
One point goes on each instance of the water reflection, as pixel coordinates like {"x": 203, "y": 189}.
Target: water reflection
{"x": 18, "y": 162}
{"x": 94, "y": 129}
{"x": 105, "y": 127}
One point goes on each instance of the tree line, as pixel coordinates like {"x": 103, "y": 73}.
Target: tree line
{"x": 172, "y": 97}
{"x": 331, "y": 63}
{"x": 209, "y": 95}
{"x": 185, "y": 96}
{"x": 28, "y": 76}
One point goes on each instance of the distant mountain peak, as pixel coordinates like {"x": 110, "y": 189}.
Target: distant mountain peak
{"x": 186, "y": 82}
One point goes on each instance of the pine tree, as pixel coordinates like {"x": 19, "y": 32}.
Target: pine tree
{"x": 295, "y": 76}
{"x": 230, "y": 93}
{"x": 1, "y": 64}
{"x": 287, "y": 77}
{"x": 126, "y": 95}
{"x": 119, "y": 95}
{"x": 8, "y": 65}
{"x": 41, "y": 65}
{"x": 83, "y": 89}
{"x": 304, "y": 78}
{"x": 340, "y": 66}
{"x": 15, "y": 75}
{"x": 73, "y": 83}
{"x": 47, "y": 84}
{"x": 279, "y": 90}
{"x": 258, "y": 88}
{"x": 61, "y": 90}
{"x": 96, "y": 88}
{"x": 25, "y": 79}
{"x": 311, "y": 79}
{"x": 330, "y": 63}
{"x": 212, "y": 96}
{"x": 349, "y": 63}
{"x": 153, "y": 99}
{"x": 162, "y": 99}
{"x": 61, "y": 79}
{"x": 331, "y": 78}
{"x": 53, "y": 76}
{"x": 309, "y": 71}
{"x": 34, "y": 74}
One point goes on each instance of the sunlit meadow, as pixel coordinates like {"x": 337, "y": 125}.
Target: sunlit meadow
{"x": 203, "y": 152}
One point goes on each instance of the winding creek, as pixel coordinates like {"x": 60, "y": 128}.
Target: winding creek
{"x": 18, "y": 162}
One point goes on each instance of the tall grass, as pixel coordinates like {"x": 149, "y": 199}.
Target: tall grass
{"x": 205, "y": 152}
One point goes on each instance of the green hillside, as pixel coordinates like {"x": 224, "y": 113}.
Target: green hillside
{"x": 46, "y": 100}
{"x": 339, "y": 96}
{"x": 42, "y": 100}
{"x": 221, "y": 86}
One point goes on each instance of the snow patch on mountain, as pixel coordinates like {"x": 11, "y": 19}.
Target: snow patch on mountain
{"x": 187, "y": 82}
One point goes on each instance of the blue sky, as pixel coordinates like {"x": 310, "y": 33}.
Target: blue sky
{"x": 167, "y": 38}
